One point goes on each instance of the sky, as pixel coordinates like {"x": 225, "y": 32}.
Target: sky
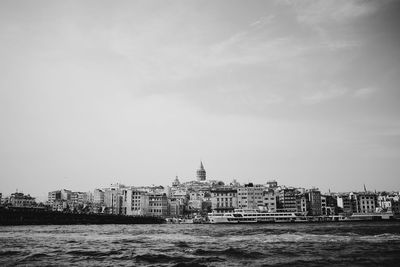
{"x": 138, "y": 92}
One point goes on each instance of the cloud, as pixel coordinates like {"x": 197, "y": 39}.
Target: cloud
{"x": 317, "y": 12}
{"x": 261, "y": 22}
{"x": 341, "y": 44}
{"x": 324, "y": 95}
{"x": 364, "y": 92}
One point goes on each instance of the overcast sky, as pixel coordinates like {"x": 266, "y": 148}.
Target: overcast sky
{"x": 137, "y": 92}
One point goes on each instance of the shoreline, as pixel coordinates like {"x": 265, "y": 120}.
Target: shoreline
{"x": 13, "y": 216}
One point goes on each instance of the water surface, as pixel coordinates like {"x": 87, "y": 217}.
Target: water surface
{"x": 336, "y": 244}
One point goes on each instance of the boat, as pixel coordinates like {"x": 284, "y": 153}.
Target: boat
{"x": 256, "y": 216}
{"x": 361, "y": 217}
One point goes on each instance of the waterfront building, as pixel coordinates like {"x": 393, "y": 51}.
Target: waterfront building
{"x": 158, "y": 204}
{"x": 314, "y": 199}
{"x": 328, "y": 205}
{"x": 176, "y": 207}
{"x": 223, "y": 199}
{"x": 21, "y": 200}
{"x": 54, "y": 196}
{"x": 250, "y": 196}
{"x": 344, "y": 203}
{"x": 98, "y": 196}
{"x": 287, "y": 200}
{"x": 66, "y": 194}
{"x": 80, "y": 197}
{"x": 269, "y": 200}
{"x": 364, "y": 202}
{"x": 135, "y": 202}
{"x": 201, "y": 173}
{"x": 302, "y": 203}
{"x": 113, "y": 200}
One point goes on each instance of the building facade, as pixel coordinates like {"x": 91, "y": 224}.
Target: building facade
{"x": 98, "y": 196}
{"x": 250, "y": 196}
{"x": 201, "y": 173}
{"x": 314, "y": 199}
{"x": 269, "y": 200}
{"x": 223, "y": 199}
{"x": 287, "y": 200}
{"x": 21, "y": 200}
{"x": 158, "y": 204}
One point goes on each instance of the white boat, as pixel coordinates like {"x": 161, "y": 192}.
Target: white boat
{"x": 256, "y": 216}
{"x": 361, "y": 217}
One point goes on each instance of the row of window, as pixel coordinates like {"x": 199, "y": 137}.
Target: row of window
{"x": 156, "y": 210}
{"x": 224, "y": 194}
{"x": 363, "y": 197}
{"x": 156, "y": 204}
{"x": 251, "y": 193}
{"x": 226, "y": 205}
{"x": 226, "y": 199}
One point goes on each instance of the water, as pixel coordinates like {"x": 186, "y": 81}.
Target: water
{"x": 338, "y": 244}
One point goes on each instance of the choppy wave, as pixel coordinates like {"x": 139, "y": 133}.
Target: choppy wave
{"x": 363, "y": 244}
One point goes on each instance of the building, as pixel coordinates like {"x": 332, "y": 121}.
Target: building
{"x": 176, "y": 207}
{"x": 201, "y": 173}
{"x": 272, "y": 184}
{"x": 176, "y": 182}
{"x": 98, "y": 196}
{"x": 113, "y": 201}
{"x": 158, "y": 204}
{"x": 66, "y": 194}
{"x": 364, "y": 202}
{"x": 250, "y": 196}
{"x": 344, "y": 203}
{"x": 269, "y": 200}
{"x": 328, "y": 205}
{"x": 287, "y": 200}
{"x": 21, "y": 200}
{"x": 79, "y": 197}
{"x": 302, "y": 203}
{"x": 314, "y": 199}
{"x": 54, "y": 196}
{"x": 135, "y": 202}
{"x": 223, "y": 199}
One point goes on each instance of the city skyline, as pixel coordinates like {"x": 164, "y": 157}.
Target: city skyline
{"x": 200, "y": 177}
{"x": 303, "y": 92}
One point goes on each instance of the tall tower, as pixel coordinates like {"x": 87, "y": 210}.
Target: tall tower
{"x": 201, "y": 173}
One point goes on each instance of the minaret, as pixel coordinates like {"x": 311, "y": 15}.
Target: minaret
{"x": 176, "y": 182}
{"x": 201, "y": 173}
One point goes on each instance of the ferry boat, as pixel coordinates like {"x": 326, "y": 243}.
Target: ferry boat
{"x": 256, "y": 216}
{"x": 363, "y": 217}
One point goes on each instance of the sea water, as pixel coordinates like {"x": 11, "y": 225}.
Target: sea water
{"x": 296, "y": 244}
